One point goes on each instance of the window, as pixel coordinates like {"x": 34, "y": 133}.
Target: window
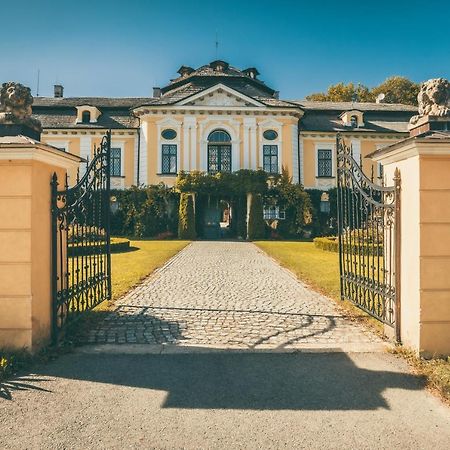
{"x": 270, "y": 135}
{"x": 86, "y": 117}
{"x": 354, "y": 121}
{"x": 273, "y": 213}
{"x": 219, "y": 136}
{"x": 169, "y": 134}
{"x": 219, "y": 152}
{"x": 116, "y": 161}
{"x": 324, "y": 163}
{"x": 169, "y": 158}
{"x": 270, "y": 158}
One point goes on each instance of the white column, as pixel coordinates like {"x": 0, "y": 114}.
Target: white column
{"x": 194, "y": 145}
{"x": 186, "y": 142}
{"x": 295, "y": 165}
{"x": 135, "y": 159}
{"x": 143, "y": 172}
{"x": 246, "y": 146}
{"x": 252, "y": 148}
{"x": 189, "y": 158}
{"x": 302, "y": 169}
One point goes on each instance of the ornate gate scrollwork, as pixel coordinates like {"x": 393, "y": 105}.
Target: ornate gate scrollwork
{"x": 81, "y": 262}
{"x": 369, "y": 240}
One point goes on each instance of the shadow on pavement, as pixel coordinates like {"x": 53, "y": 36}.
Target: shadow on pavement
{"x": 232, "y": 380}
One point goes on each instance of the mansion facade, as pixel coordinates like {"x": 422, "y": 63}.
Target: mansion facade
{"x": 219, "y": 118}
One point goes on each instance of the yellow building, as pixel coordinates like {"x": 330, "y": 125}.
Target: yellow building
{"x": 219, "y": 118}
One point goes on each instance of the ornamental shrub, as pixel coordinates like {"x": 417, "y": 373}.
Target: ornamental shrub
{"x": 145, "y": 211}
{"x": 256, "y": 225}
{"x": 186, "y": 220}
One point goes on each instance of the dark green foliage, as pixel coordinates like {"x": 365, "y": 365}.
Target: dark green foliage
{"x": 323, "y": 224}
{"x": 256, "y": 223}
{"x": 186, "y": 223}
{"x": 145, "y": 212}
{"x": 293, "y": 199}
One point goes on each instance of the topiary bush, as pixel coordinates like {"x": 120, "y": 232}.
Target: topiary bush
{"x": 256, "y": 224}
{"x": 186, "y": 219}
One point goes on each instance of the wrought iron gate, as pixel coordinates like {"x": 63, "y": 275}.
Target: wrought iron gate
{"x": 369, "y": 239}
{"x": 81, "y": 262}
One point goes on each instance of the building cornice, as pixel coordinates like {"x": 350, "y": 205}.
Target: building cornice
{"x": 38, "y": 152}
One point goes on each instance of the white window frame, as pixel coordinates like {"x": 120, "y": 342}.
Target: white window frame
{"x": 271, "y": 212}
{"x": 121, "y": 146}
{"x": 325, "y": 146}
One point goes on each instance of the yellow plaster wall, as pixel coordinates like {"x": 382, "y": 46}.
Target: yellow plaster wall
{"x": 25, "y": 264}
{"x": 15, "y": 254}
{"x": 435, "y": 252}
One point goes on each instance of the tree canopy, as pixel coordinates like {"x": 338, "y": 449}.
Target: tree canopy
{"x": 396, "y": 89}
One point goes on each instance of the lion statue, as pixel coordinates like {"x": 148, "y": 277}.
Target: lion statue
{"x": 434, "y": 99}
{"x": 15, "y": 105}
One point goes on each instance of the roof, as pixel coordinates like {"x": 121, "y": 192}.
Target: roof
{"x": 116, "y": 113}
{"x": 349, "y": 106}
{"x": 62, "y": 112}
{"x": 378, "y": 117}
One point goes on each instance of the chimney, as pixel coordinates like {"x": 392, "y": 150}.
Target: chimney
{"x": 58, "y": 90}
{"x": 156, "y": 92}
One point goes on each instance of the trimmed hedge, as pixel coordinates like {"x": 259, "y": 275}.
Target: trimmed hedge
{"x": 117, "y": 245}
{"x": 256, "y": 223}
{"x": 186, "y": 221}
{"x": 331, "y": 244}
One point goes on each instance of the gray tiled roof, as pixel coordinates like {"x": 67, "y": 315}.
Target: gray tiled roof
{"x": 347, "y": 106}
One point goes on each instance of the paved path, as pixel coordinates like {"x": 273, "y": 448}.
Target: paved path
{"x": 229, "y": 294}
{"x": 222, "y": 400}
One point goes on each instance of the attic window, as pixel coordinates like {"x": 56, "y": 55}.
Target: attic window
{"x": 354, "y": 121}
{"x": 86, "y": 117}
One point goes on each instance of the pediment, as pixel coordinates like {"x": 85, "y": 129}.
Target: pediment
{"x": 220, "y": 95}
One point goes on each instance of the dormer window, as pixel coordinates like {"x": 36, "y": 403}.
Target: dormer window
{"x": 87, "y": 114}
{"x": 251, "y": 72}
{"x": 353, "y": 118}
{"x": 86, "y": 117}
{"x": 219, "y": 66}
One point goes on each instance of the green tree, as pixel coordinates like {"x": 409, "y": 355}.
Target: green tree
{"x": 186, "y": 221}
{"x": 256, "y": 224}
{"x": 341, "y": 92}
{"x": 398, "y": 90}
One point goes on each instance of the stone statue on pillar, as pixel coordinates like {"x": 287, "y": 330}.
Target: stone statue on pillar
{"x": 434, "y": 99}
{"x": 15, "y": 111}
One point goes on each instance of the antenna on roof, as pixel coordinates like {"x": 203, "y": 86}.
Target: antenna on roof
{"x": 37, "y": 88}
{"x": 217, "y": 45}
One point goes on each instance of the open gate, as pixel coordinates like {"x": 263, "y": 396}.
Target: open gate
{"x": 369, "y": 239}
{"x": 81, "y": 261}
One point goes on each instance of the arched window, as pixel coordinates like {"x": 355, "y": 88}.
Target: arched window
{"x": 219, "y": 152}
{"x": 219, "y": 136}
{"x": 86, "y": 117}
{"x": 354, "y": 121}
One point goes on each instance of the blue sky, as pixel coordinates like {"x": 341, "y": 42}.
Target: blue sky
{"x": 124, "y": 48}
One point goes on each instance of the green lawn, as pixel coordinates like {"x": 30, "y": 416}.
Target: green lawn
{"x": 316, "y": 267}
{"x": 128, "y": 268}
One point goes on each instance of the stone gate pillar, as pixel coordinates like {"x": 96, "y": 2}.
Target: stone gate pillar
{"x": 424, "y": 163}
{"x": 26, "y": 168}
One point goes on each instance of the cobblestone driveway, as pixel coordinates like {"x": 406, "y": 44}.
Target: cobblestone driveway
{"x": 228, "y": 294}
